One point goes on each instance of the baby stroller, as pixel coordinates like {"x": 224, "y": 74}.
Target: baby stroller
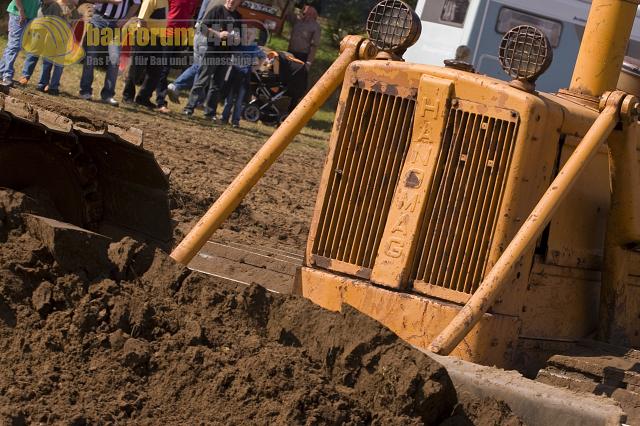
{"x": 276, "y": 90}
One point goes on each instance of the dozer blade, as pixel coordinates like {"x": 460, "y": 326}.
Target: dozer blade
{"x": 97, "y": 176}
{"x": 599, "y": 368}
{"x": 272, "y": 268}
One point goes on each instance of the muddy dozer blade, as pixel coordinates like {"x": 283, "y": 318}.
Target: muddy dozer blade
{"x": 599, "y": 368}
{"x": 241, "y": 263}
{"x": 97, "y": 176}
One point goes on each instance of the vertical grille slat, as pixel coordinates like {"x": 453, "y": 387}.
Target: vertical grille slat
{"x": 373, "y": 172}
{"x": 478, "y": 192}
{"x": 481, "y": 220}
{"x": 355, "y": 162}
{"x": 483, "y": 232}
{"x": 465, "y": 194}
{"x": 462, "y": 206}
{"x": 493, "y": 213}
{"x": 371, "y": 147}
{"x": 351, "y": 107}
{"x": 362, "y": 189}
{"x": 463, "y": 256}
{"x": 346, "y": 175}
{"x": 455, "y": 214}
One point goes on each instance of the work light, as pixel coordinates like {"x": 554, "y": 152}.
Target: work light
{"x": 393, "y": 26}
{"x": 525, "y": 53}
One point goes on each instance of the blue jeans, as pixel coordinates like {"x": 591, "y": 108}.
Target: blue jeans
{"x": 235, "y": 98}
{"x": 113, "y": 60}
{"x": 47, "y": 77}
{"x": 30, "y": 63}
{"x": 14, "y": 44}
{"x": 188, "y": 76}
{"x": 186, "y": 80}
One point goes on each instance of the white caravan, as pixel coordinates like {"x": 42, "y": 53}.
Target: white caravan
{"x": 480, "y": 25}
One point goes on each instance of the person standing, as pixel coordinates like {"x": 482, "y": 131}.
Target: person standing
{"x": 305, "y": 35}
{"x": 180, "y": 19}
{"x": 250, "y": 55}
{"x": 21, "y": 12}
{"x": 112, "y": 16}
{"x": 51, "y": 73}
{"x": 147, "y": 57}
{"x": 188, "y": 76}
{"x": 221, "y": 24}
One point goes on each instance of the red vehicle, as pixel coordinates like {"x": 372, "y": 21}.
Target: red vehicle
{"x": 272, "y": 13}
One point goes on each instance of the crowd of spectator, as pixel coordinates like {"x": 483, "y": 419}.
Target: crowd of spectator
{"x": 225, "y": 51}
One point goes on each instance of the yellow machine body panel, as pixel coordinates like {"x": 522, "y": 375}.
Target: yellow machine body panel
{"x": 430, "y": 173}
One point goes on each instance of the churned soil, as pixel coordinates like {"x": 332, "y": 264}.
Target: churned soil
{"x": 204, "y": 158}
{"x": 94, "y": 331}
{"x": 136, "y": 338}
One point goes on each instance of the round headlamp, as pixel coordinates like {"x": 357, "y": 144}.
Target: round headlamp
{"x": 525, "y": 53}
{"x": 393, "y": 26}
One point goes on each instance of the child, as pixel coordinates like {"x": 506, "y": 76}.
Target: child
{"x": 240, "y": 78}
{"x": 21, "y": 12}
{"x": 51, "y": 73}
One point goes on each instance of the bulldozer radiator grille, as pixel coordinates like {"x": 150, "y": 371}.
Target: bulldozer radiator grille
{"x": 463, "y": 204}
{"x": 370, "y": 150}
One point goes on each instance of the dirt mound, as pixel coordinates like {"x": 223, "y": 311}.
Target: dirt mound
{"x": 81, "y": 118}
{"x": 140, "y": 339}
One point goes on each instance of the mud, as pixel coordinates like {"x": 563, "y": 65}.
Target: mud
{"x": 142, "y": 340}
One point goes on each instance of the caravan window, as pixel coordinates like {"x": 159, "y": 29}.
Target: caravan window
{"x": 633, "y": 49}
{"x": 447, "y": 12}
{"x": 509, "y": 18}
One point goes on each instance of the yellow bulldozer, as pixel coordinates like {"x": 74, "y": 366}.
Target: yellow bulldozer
{"x": 473, "y": 216}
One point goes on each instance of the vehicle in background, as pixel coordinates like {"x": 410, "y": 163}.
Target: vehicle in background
{"x": 481, "y": 24}
{"x": 272, "y": 13}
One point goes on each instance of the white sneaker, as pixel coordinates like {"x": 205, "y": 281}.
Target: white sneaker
{"x": 173, "y": 94}
{"x": 86, "y": 96}
{"x": 110, "y": 101}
